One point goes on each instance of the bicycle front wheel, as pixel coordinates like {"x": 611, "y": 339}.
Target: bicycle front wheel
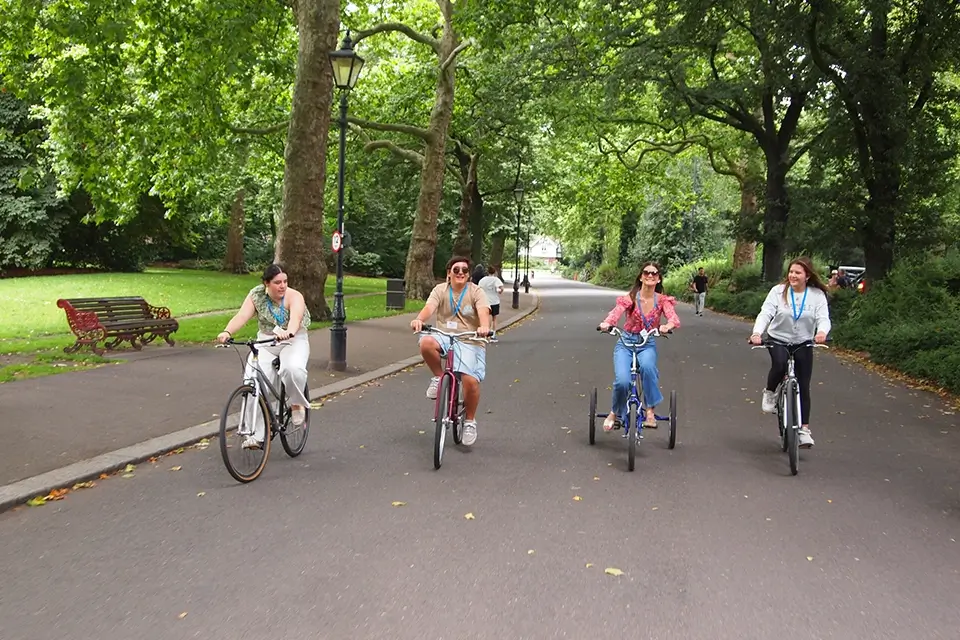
{"x": 245, "y": 417}
{"x": 292, "y": 438}
{"x": 791, "y": 427}
{"x": 633, "y": 425}
{"x": 440, "y": 420}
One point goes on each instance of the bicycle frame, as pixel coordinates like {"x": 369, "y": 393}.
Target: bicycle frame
{"x": 451, "y": 414}
{"x": 790, "y": 378}
{"x": 635, "y": 397}
{"x": 260, "y": 381}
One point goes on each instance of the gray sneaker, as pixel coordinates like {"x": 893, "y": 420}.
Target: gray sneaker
{"x": 806, "y": 438}
{"x": 249, "y": 442}
{"x": 469, "y": 432}
{"x": 769, "y": 403}
{"x": 432, "y": 389}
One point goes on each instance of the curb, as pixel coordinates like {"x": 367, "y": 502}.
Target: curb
{"x": 19, "y": 492}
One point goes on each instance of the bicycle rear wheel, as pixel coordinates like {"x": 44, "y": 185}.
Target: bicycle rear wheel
{"x": 673, "y": 420}
{"x": 593, "y": 416}
{"x": 440, "y": 421}
{"x": 457, "y": 426}
{"x": 237, "y": 422}
{"x": 633, "y": 425}
{"x": 792, "y": 427}
{"x": 294, "y": 438}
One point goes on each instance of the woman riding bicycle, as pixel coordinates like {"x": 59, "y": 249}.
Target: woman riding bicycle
{"x": 795, "y": 312}
{"x": 645, "y": 309}
{"x": 281, "y": 313}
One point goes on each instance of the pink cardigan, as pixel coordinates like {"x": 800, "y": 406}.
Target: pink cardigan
{"x": 634, "y": 323}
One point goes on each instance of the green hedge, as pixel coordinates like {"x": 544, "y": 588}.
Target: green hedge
{"x": 910, "y": 321}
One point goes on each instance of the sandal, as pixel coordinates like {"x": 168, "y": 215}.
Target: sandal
{"x": 650, "y": 424}
{"x": 609, "y": 423}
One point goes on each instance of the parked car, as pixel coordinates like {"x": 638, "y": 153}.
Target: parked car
{"x": 855, "y": 275}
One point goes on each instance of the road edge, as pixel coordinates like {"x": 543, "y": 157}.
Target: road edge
{"x": 19, "y": 492}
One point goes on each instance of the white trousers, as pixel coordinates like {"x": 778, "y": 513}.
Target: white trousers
{"x": 294, "y": 355}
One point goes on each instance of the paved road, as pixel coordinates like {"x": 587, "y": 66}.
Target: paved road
{"x": 715, "y": 539}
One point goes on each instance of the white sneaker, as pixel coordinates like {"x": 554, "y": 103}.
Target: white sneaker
{"x": 249, "y": 442}
{"x": 432, "y": 389}
{"x": 469, "y": 432}
{"x": 769, "y": 404}
{"x": 806, "y": 439}
{"x": 299, "y": 416}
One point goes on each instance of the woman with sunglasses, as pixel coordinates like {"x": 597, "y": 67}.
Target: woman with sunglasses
{"x": 645, "y": 309}
{"x": 459, "y": 306}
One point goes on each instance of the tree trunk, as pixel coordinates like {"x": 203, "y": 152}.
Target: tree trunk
{"x": 233, "y": 261}
{"x": 496, "y": 252}
{"x": 468, "y": 171}
{"x": 775, "y": 216}
{"x": 745, "y": 249}
{"x": 476, "y": 224}
{"x": 300, "y": 243}
{"x": 423, "y": 239}
{"x": 882, "y": 208}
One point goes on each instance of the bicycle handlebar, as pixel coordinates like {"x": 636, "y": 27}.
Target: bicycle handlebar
{"x": 766, "y": 344}
{"x": 620, "y": 333}
{"x": 248, "y": 343}
{"x": 468, "y": 335}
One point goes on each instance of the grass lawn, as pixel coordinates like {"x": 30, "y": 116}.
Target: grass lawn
{"x": 28, "y": 306}
{"x": 21, "y": 359}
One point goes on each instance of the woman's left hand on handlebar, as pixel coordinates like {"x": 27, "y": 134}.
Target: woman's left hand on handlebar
{"x": 820, "y": 338}
{"x": 755, "y": 339}
{"x": 604, "y": 326}
{"x": 222, "y": 337}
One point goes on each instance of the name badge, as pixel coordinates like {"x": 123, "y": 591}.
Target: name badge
{"x": 452, "y": 325}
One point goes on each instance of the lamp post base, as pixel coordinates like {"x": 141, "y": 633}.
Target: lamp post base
{"x": 526, "y": 285}
{"x": 338, "y": 348}
{"x": 516, "y": 296}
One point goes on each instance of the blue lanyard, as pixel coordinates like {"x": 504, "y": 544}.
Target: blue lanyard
{"x": 793, "y": 301}
{"x": 647, "y": 325}
{"x": 456, "y": 309}
{"x": 283, "y": 311}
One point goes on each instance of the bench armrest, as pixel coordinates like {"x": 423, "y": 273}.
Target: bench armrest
{"x": 79, "y": 321}
{"x": 159, "y": 312}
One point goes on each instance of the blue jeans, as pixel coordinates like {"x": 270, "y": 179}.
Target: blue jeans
{"x": 646, "y": 368}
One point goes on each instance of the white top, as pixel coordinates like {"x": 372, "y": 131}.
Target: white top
{"x": 777, "y": 315}
{"x": 492, "y": 286}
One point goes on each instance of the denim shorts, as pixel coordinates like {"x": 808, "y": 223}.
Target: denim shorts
{"x": 468, "y": 358}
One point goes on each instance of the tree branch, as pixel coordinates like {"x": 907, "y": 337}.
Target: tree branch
{"x": 804, "y": 148}
{"x": 386, "y": 27}
{"x": 418, "y": 132}
{"x": 453, "y": 54}
{"x": 405, "y": 154}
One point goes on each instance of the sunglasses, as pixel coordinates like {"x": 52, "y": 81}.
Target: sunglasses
{"x": 460, "y": 271}
{"x": 650, "y": 273}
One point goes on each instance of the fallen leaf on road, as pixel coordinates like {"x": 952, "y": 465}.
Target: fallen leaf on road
{"x": 469, "y": 516}
{"x": 810, "y": 558}
{"x": 654, "y": 509}
{"x": 38, "y": 501}
{"x": 201, "y": 494}
{"x": 530, "y": 552}
{"x": 362, "y": 446}
{"x": 89, "y": 484}
{"x": 421, "y": 432}
{"x": 103, "y": 476}
{"x": 182, "y": 615}
{"x": 177, "y": 468}
{"x": 613, "y": 571}
{"x": 179, "y": 451}
{"x": 57, "y": 494}
{"x": 830, "y": 501}
{"x": 596, "y": 477}
{"x": 589, "y": 564}
{"x": 129, "y": 468}
{"x": 127, "y": 475}
{"x": 577, "y": 498}
{"x": 517, "y": 380}
{"x": 397, "y": 503}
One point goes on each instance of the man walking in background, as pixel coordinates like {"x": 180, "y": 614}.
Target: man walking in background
{"x": 492, "y": 286}
{"x": 699, "y": 288}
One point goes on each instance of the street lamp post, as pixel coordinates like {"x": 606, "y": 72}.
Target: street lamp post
{"x": 346, "y": 65}
{"x": 526, "y": 266}
{"x": 518, "y": 196}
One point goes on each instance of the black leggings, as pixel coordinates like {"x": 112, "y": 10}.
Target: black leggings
{"x": 803, "y": 367}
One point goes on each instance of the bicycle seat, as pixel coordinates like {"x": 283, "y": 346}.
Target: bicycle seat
{"x": 276, "y": 363}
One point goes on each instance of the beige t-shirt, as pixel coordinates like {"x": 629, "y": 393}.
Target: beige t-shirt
{"x": 462, "y": 310}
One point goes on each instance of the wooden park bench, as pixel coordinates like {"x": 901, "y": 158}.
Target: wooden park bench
{"x": 94, "y": 320}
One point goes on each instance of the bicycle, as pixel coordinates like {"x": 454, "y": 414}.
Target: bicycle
{"x": 449, "y": 411}
{"x": 234, "y": 425}
{"x": 788, "y": 402}
{"x": 634, "y": 402}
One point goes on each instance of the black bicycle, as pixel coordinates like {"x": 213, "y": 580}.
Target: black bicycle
{"x": 788, "y": 401}
{"x": 248, "y": 413}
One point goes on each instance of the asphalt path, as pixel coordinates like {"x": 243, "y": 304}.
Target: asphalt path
{"x": 714, "y": 539}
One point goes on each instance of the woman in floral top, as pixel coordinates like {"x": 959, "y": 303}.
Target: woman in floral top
{"x": 281, "y": 313}
{"x": 645, "y": 310}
